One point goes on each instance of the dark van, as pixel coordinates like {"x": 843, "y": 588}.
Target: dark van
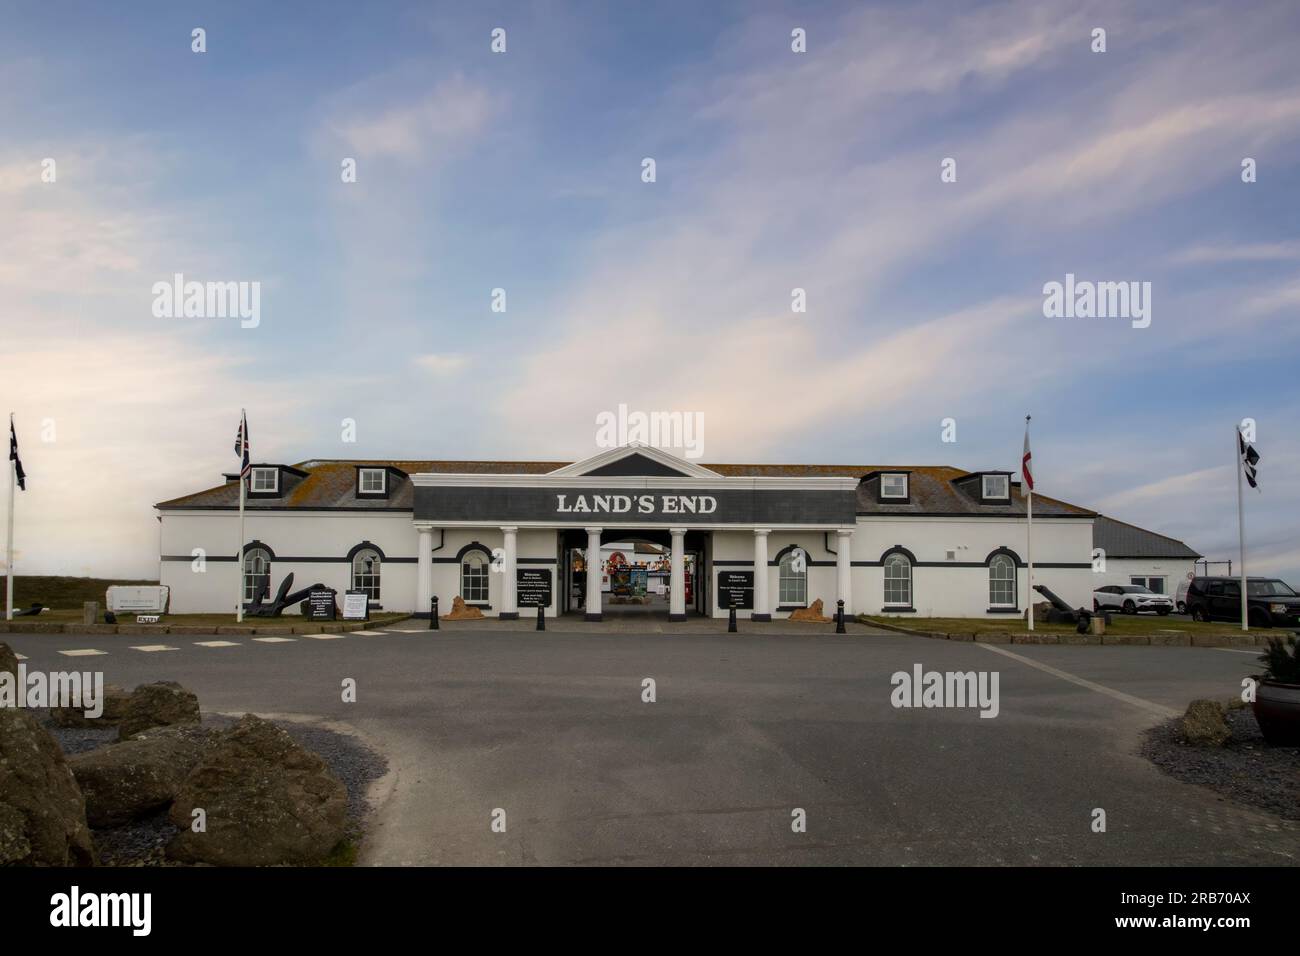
{"x": 1270, "y": 602}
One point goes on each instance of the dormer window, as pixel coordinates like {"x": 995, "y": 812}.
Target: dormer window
{"x": 893, "y": 486}
{"x": 372, "y": 481}
{"x": 264, "y": 481}
{"x": 996, "y": 488}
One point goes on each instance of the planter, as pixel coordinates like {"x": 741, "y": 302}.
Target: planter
{"x": 1277, "y": 709}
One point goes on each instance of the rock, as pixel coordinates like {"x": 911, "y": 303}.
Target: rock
{"x": 1043, "y": 612}
{"x": 8, "y": 659}
{"x": 266, "y": 801}
{"x": 161, "y": 704}
{"x": 460, "y": 611}
{"x": 115, "y": 701}
{"x": 812, "y": 613}
{"x": 136, "y": 777}
{"x": 42, "y": 811}
{"x": 1203, "y": 724}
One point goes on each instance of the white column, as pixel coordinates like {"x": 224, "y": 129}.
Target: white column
{"x": 592, "y": 611}
{"x": 424, "y": 571}
{"x": 762, "y": 605}
{"x": 509, "y": 599}
{"x": 677, "y": 577}
{"x": 844, "y": 570}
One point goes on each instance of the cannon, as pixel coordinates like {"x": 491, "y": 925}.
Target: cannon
{"x": 259, "y": 608}
{"x": 1062, "y": 613}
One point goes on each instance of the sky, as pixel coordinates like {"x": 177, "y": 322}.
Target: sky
{"x": 774, "y": 170}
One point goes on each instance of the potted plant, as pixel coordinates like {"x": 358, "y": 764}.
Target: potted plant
{"x": 1277, "y": 697}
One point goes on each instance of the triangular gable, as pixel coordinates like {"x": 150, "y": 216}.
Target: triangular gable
{"x": 634, "y": 460}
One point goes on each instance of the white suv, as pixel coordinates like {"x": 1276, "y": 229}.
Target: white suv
{"x": 1131, "y": 598}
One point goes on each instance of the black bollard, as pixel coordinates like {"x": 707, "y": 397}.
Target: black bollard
{"x": 839, "y": 617}
{"x": 731, "y": 621}
{"x": 541, "y": 618}
{"x": 433, "y": 613}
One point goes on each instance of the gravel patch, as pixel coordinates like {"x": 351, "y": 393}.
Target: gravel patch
{"x": 1245, "y": 769}
{"x": 141, "y": 842}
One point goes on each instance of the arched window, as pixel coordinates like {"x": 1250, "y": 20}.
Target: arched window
{"x": 257, "y": 572}
{"x": 1002, "y": 581}
{"x": 898, "y": 581}
{"x": 474, "y": 577}
{"x": 793, "y": 580}
{"x": 365, "y": 573}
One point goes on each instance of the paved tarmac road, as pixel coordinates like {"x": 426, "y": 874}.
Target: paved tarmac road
{"x": 552, "y": 729}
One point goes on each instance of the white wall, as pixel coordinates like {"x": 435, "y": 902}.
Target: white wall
{"x": 1119, "y": 570}
{"x": 948, "y": 589}
{"x": 961, "y": 590}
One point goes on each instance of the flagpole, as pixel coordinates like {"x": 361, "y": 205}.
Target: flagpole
{"x": 1029, "y": 537}
{"x": 1029, "y": 554}
{"x": 1241, "y": 524}
{"x": 9, "y": 549}
{"x": 239, "y": 568}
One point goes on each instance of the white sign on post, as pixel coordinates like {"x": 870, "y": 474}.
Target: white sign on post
{"x": 152, "y": 597}
{"x": 356, "y": 606}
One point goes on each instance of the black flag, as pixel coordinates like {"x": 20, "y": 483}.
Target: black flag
{"x": 1249, "y": 459}
{"x": 13, "y": 456}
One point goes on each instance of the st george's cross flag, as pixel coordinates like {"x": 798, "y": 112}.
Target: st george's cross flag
{"x": 1026, "y": 462}
{"x": 1249, "y": 459}
{"x": 13, "y": 456}
{"x": 241, "y": 446}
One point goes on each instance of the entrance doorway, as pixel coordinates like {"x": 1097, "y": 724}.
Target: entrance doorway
{"x": 635, "y": 572}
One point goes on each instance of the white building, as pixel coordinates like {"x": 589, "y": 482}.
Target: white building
{"x": 925, "y": 541}
{"x": 1134, "y": 555}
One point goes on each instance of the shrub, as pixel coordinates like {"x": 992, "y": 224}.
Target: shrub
{"x": 1281, "y": 661}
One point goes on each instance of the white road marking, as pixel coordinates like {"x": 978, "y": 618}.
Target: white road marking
{"x": 216, "y": 643}
{"x": 368, "y": 633}
{"x": 21, "y": 657}
{"x": 1151, "y": 706}
{"x": 1233, "y": 650}
{"x": 150, "y": 648}
{"x": 275, "y": 640}
{"x": 84, "y": 652}
{"x": 326, "y": 637}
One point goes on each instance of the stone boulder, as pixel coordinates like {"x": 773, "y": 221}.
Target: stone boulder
{"x": 1203, "y": 725}
{"x": 161, "y": 704}
{"x": 115, "y": 701}
{"x": 8, "y": 659}
{"x": 42, "y": 811}
{"x": 460, "y": 611}
{"x": 266, "y": 801}
{"x": 139, "y": 776}
{"x": 813, "y": 613}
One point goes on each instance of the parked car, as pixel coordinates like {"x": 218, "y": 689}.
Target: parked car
{"x": 1131, "y": 598}
{"x": 1269, "y": 601}
{"x": 1180, "y": 596}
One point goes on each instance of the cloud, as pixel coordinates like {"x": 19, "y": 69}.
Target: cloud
{"x": 438, "y": 123}
{"x": 441, "y": 364}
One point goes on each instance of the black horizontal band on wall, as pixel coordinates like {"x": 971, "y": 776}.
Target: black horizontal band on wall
{"x": 1075, "y": 565}
{"x": 283, "y": 560}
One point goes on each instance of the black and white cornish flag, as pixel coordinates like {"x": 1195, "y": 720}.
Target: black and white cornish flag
{"x": 1249, "y": 459}
{"x": 241, "y": 446}
{"x": 13, "y": 456}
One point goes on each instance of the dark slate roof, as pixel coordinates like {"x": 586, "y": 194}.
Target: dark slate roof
{"x": 331, "y": 484}
{"x": 1120, "y": 540}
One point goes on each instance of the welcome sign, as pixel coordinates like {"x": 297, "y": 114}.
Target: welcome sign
{"x": 644, "y": 504}
{"x": 560, "y": 505}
